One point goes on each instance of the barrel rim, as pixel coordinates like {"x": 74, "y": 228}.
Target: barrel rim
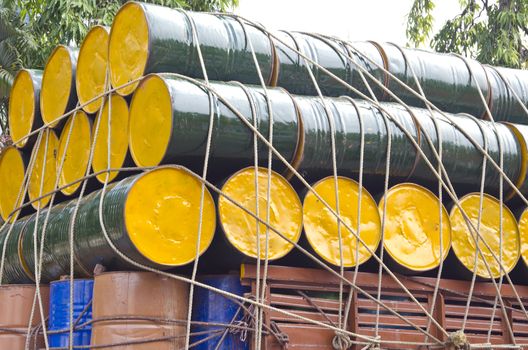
{"x": 447, "y": 222}
{"x": 78, "y": 84}
{"x": 364, "y": 192}
{"x": 493, "y": 199}
{"x": 289, "y": 186}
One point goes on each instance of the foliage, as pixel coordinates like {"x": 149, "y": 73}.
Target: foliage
{"x": 30, "y": 29}
{"x": 492, "y": 32}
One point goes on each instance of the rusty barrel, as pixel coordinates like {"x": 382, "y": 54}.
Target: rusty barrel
{"x": 16, "y": 302}
{"x": 141, "y": 309}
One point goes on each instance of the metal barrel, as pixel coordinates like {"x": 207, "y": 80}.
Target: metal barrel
{"x": 58, "y": 94}
{"x": 321, "y": 228}
{"x": 15, "y": 270}
{"x": 447, "y": 81}
{"x": 74, "y": 152}
{"x": 462, "y": 160}
{"x": 412, "y": 236}
{"x": 239, "y": 230}
{"x": 163, "y": 41}
{"x": 518, "y": 274}
{"x": 16, "y": 302}
{"x": 139, "y": 302}
{"x": 505, "y": 83}
{"x": 56, "y": 252}
{"x": 347, "y": 116}
{"x": 169, "y": 120}
{"x": 117, "y": 108}
{"x": 464, "y": 240}
{"x": 59, "y": 312}
{"x": 331, "y": 54}
{"x": 24, "y": 107}
{"x": 43, "y": 176}
{"x": 216, "y": 308}
{"x": 521, "y": 134}
{"x": 12, "y": 171}
{"x": 91, "y": 68}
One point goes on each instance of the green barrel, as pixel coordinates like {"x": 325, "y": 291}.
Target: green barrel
{"x": 461, "y": 159}
{"x": 447, "y": 81}
{"x": 316, "y": 160}
{"x": 332, "y": 55}
{"x": 187, "y": 116}
{"x": 504, "y": 84}
{"x": 14, "y": 270}
{"x": 163, "y": 40}
{"x": 24, "y": 107}
{"x": 56, "y": 252}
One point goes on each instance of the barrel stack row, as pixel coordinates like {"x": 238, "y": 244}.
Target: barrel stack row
{"x": 161, "y": 115}
{"x": 139, "y": 211}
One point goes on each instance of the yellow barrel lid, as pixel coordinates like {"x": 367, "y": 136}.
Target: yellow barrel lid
{"x": 77, "y": 153}
{"x": 521, "y": 134}
{"x": 162, "y": 213}
{"x": 523, "y": 233}
{"x": 43, "y": 176}
{"x": 91, "y": 68}
{"x": 240, "y": 228}
{"x": 320, "y": 224}
{"x": 412, "y": 227}
{"x": 21, "y": 108}
{"x": 464, "y": 245}
{"x": 12, "y": 169}
{"x": 150, "y": 121}
{"x": 118, "y": 138}
{"x": 56, "y": 85}
{"x": 128, "y": 47}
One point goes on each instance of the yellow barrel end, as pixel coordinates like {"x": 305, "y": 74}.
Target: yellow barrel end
{"x": 321, "y": 228}
{"x": 56, "y": 85}
{"x": 43, "y": 176}
{"x": 21, "y": 108}
{"x": 74, "y": 148}
{"x": 150, "y": 122}
{"x": 91, "y": 68}
{"x": 128, "y": 47}
{"x": 523, "y": 235}
{"x": 464, "y": 239}
{"x": 412, "y": 227}
{"x": 162, "y": 213}
{"x": 118, "y": 138}
{"x": 240, "y": 228}
{"x": 12, "y": 169}
{"x": 521, "y": 134}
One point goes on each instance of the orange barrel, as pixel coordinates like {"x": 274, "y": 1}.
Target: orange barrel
{"x": 464, "y": 241}
{"x": 238, "y": 237}
{"x": 24, "y": 107}
{"x": 118, "y": 130}
{"x": 44, "y": 173}
{"x": 139, "y": 302}
{"x": 12, "y": 171}
{"x": 321, "y": 228}
{"x": 412, "y": 229}
{"x": 74, "y": 152}
{"x": 15, "y": 305}
{"x": 147, "y": 38}
{"x": 58, "y": 94}
{"x": 91, "y": 68}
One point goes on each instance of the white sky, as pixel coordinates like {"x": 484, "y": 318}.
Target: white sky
{"x": 381, "y": 20}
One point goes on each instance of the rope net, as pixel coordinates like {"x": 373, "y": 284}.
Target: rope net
{"x": 263, "y": 117}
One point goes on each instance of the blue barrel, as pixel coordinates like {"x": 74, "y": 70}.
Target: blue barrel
{"x": 209, "y": 306}
{"x": 59, "y": 314}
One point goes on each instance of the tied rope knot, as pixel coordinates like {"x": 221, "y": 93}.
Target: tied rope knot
{"x": 341, "y": 341}
{"x": 457, "y": 341}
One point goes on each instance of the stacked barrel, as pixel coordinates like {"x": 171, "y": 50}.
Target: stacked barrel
{"x": 108, "y": 140}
